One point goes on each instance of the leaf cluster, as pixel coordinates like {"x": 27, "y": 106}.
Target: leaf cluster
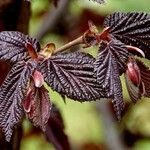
{"x": 23, "y": 91}
{"x": 76, "y": 75}
{"x": 124, "y": 36}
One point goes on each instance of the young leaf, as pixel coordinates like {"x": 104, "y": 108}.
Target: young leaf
{"x": 145, "y": 76}
{"x": 72, "y": 75}
{"x": 13, "y": 46}
{"x": 134, "y": 91}
{"x": 12, "y": 93}
{"x": 55, "y": 130}
{"x": 37, "y": 106}
{"x": 133, "y": 80}
{"x": 131, "y": 28}
{"x": 110, "y": 63}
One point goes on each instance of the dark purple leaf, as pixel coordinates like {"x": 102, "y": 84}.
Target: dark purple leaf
{"x": 111, "y": 20}
{"x": 37, "y": 106}
{"x": 72, "y": 75}
{"x": 55, "y": 130}
{"x": 13, "y": 45}
{"x": 145, "y": 76}
{"x": 110, "y": 63}
{"x": 12, "y": 93}
{"x": 131, "y": 28}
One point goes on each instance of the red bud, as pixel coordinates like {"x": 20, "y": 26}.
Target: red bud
{"x": 38, "y": 78}
{"x": 133, "y": 73}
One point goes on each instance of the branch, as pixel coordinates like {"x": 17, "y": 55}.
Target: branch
{"x": 52, "y": 18}
{"x": 87, "y": 39}
{"x": 70, "y": 44}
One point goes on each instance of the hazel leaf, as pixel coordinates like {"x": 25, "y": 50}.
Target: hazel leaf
{"x": 13, "y": 46}
{"x": 130, "y": 28}
{"x": 109, "y": 64}
{"x": 12, "y": 93}
{"x": 72, "y": 74}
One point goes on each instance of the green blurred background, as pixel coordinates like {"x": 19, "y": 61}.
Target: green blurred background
{"x": 83, "y": 123}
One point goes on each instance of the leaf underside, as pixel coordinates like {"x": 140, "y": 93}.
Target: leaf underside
{"x": 110, "y": 63}
{"x": 131, "y": 28}
{"x": 12, "y": 93}
{"x": 145, "y": 76}
{"x": 39, "y": 106}
{"x": 72, "y": 75}
{"x": 12, "y": 46}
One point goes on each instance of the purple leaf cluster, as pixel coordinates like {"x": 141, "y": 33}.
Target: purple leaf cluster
{"x": 124, "y": 36}
{"x": 76, "y": 75}
{"x": 23, "y": 90}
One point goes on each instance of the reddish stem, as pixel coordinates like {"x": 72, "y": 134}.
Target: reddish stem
{"x": 33, "y": 54}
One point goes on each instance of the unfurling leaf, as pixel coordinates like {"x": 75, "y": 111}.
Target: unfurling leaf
{"x": 37, "y": 106}
{"x": 133, "y": 80}
{"x": 133, "y": 72}
{"x": 55, "y": 130}
{"x": 13, "y": 46}
{"x": 110, "y": 63}
{"x": 72, "y": 75}
{"x": 145, "y": 76}
{"x": 131, "y": 28}
{"x": 12, "y": 93}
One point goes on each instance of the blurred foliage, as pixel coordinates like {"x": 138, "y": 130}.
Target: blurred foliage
{"x": 81, "y": 119}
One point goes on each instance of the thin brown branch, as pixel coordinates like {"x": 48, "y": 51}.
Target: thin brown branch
{"x": 51, "y": 19}
{"x": 70, "y": 44}
{"x": 88, "y": 39}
